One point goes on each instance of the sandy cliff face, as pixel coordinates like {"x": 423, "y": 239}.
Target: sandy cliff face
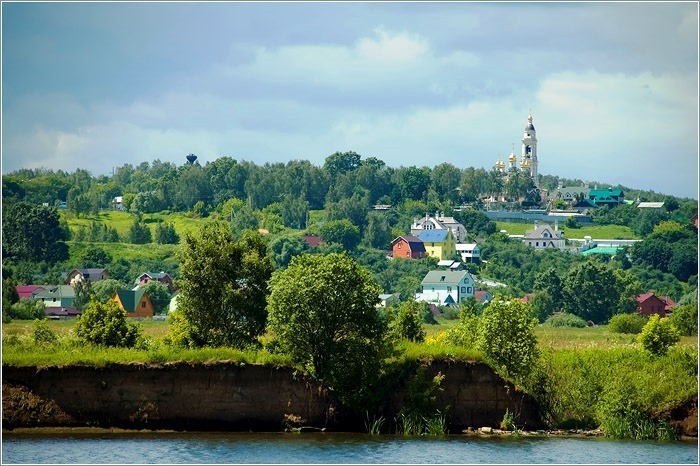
{"x": 233, "y": 397}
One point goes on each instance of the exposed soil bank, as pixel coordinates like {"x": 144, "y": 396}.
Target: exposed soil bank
{"x": 229, "y": 396}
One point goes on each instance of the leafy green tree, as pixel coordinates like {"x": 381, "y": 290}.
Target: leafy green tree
{"x": 105, "y": 324}
{"x": 542, "y": 305}
{"x": 341, "y": 162}
{"x": 103, "y": 290}
{"x": 27, "y": 309}
{"x": 42, "y": 334}
{"x": 166, "y": 234}
{"x": 284, "y": 248}
{"x": 406, "y": 324}
{"x": 685, "y": 319}
{"x": 139, "y": 232}
{"x": 591, "y": 291}
{"x": 9, "y": 292}
{"x": 411, "y": 183}
{"x": 159, "y": 294}
{"x": 378, "y": 232}
{"x": 352, "y": 208}
{"x": 466, "y": 332}
{"x": 33, "y": 233}
{"x": 294, "y": 212}
{"x": 95, "y": 257}
{"x": 222, "y": 288}
{"x": 244, "y": 219}
{"x": 658, "y": 335}
{"x": 550, "y": 282}
{"x": 342, "y": 232}
{"x": 476, "y": 223}
{"x": 83, "y": 294}
{"x": 507, "y": 337}
{"x": 322, "y": 313}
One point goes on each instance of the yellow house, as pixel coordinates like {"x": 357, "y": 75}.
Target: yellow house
{"x": 438, "y": 243}
{"x": 134, "y": 303}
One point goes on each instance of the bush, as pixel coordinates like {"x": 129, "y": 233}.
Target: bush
{"x": 685, "y": 319}
{"x": 658, "y": 335}
{"x": 507, "y": 337}
{"x": 565, "y": 320}
{"x": 406, "y": 324}
{"x": 106, "y": 325}
{"x": 42, "y": 334}
{"x": 627, "y": 323}
{"x": 27, "y": 309}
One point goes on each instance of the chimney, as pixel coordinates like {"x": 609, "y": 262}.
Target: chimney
{"x": 556, "y": 225}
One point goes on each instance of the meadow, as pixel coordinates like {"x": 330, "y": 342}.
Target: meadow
{"x": 594, "y": 231}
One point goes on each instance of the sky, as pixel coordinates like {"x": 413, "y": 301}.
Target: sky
{"x": 612, "y": 87}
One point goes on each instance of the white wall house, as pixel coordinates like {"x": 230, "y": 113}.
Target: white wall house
{"x": 446, "y": 287}
{"x": 544, "y": 237}
{"x": 439, "y": 222}
{"x": 469, "y": 252}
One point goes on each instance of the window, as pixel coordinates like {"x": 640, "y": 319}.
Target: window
{"x": 143, "y": 303}
{"x": 442, "y": 279}
{"x": 400, "y": 245}
{"x": 537, "y": 243}
{"x": 469, "y": 290}
{"x": 449, "y": 289}
{"x": 408, "y": 254}
{"x": 464, "y": 289}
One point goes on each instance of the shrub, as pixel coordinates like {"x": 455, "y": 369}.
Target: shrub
{"x": 42, "y": 333}
{"x": 685, "y": 319}
{"x": 658, "y": 335}
{"x": 106, "y": 325}
{"x": 27, "y": 309}
{"x": 565, "y": 320}
{"x": 507, "y": 337}
{"x": 627, "y": 323}
{"x": 406, "y": 324}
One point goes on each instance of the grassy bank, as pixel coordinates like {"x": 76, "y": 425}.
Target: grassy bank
{"x": 585, "y": 378}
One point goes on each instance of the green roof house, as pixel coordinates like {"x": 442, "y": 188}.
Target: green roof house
{"x": 135, "y": 303}
{"x": 610, "y": 197}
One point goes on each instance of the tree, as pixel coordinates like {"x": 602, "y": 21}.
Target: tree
{"x": 342, "y": 232}
{"x": 322, "y": 313}
{"x": 26, "y": 309}
{"x": 685, "y": 319}
{"x": 341, "y": 162}
{"x": 165, "y": 233}
{"x": 83, "y": 294}
{"x": 159, "y": 294}
{"x": 378, "y": 232}
{"x": 103, "y": 290}
{"x": 476, "y": 223}
{"x": 542, "y": 305}
{"x": 95, "y": 257}
{"x": 658, "y": 335}
{"x": 284, "y": 248}
{"x": 223, "y": 287}
{"x": 33, "y": 233}
{"x": 106, "y": 325}
{"x": 507, "y": 337}
{"x": 550, "y": 282}
{"x": 139, "y": 232}
{"x": 406, "y": 324}
{"x": 591, "y": 292}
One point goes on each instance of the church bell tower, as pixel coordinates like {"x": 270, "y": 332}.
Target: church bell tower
{"x": 529, "y": 151}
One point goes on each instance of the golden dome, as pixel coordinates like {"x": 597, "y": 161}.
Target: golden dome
{"x": 524, "y": 163}
{"x": 512, "y": 157}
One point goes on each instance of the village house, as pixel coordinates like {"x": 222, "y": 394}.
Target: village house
{"x": 544, "y": 236}
{"x": 439, "y": 222}
{"x": 135, "y": 303}
{"x": 446, "y": 287}
{"x": 55, "y": 296}
{"x": 439, "y": 244}
{"x": 389, "y": 300}
{"x": 649, "y": 303}
{"x": 408, "y": 247}
{"x": 162, "y": 277}
{"x": 469, "y": 251}
{"x": 610, "y": 197}
{"x": 94, "y": 275}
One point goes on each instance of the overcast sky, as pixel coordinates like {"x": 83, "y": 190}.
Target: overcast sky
{"x": 612, "y": 87}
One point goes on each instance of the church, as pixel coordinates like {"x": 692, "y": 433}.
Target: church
{"x": 528, "y": 156}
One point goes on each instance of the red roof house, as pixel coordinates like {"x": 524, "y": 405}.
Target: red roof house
{"x": 649, "y": 303}
{"x": 311, "y": 240}
{"x": 25, "y": 291}
{"x": 408, "y": 247}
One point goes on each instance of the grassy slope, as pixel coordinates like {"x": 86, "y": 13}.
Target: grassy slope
{"x": 594, "y": 231}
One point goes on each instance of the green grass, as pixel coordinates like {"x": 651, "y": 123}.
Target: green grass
{"x": 594, "y": 231}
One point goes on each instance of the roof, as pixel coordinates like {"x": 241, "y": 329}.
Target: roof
{"x": 130, "y": 298}
{"x": 63, "y": 291}
{"x": 414, "y": 243}
{"x": 664, "y": 299}
{"x": 480, "y": 295}
{"x": 446, "y": 263}
{"x": 444, "y": 277}
{"x": 540, "y": 230}
{"x": 650, "y": 205}
{"x": 91, "y": 274}
{"x": 605, "y": 192}
{"x": 25, "y": 291}
{"x": 156, "y": 275}
{"x": 601, "y": 250}
{"x": 312, "y": 240}
{"x": 466, "y": 246}
{"x": 63, "y": 311}
{"x": 433, "y": 236}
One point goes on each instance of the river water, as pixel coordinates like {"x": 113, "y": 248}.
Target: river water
{"x": 331, "y": 448}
